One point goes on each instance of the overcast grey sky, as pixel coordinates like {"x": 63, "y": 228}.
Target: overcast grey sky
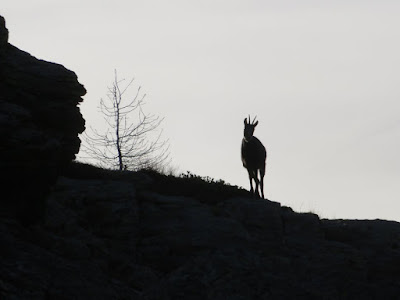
{"x": 322, "y": 78}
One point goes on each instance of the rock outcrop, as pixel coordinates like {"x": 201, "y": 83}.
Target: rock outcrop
{"x": 39, "y": 126}
{"x": 120, "y": 237}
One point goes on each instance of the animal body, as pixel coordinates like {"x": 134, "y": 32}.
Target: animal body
{"x": 254, "y": 156}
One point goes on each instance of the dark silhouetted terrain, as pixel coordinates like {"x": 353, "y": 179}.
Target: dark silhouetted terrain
{"x": 74, "y": 231}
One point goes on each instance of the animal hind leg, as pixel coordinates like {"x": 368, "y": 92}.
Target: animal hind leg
{"x": 251, "y": 182}
{"x": 262, "y": 173}
{"x": 257, "y": 194}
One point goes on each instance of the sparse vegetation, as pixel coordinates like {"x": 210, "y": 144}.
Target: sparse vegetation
{"x": 126, "y": 142}
{"x": 204, "y": 188}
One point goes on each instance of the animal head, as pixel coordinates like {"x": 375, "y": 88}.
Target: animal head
{"x": 249, "y": 128}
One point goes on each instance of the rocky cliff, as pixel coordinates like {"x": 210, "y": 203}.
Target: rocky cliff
{"x": 39, "y": 126}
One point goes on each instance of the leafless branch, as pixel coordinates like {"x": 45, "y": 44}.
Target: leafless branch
{"x": 125, "y": 143}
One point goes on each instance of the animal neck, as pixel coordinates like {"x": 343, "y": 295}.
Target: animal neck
{"x": 246, "y": 140}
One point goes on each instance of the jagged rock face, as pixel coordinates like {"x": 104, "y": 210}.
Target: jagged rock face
{"x": 39, "y": 123}
{"x": 3, "y": 34}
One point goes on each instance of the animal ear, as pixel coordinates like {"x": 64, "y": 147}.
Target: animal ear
{"x": 245, "y": 121}
{"x": 255, "y": 124}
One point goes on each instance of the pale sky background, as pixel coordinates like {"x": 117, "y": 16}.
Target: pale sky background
{"x": 322, "y": 77}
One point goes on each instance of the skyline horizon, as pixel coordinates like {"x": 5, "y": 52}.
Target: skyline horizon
{"x": 321, "y": 78}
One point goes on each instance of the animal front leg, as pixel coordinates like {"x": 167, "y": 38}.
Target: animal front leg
{"x": 251, "y": 183}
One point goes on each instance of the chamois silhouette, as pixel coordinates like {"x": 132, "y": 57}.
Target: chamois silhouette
{"x": 254, "y": 156}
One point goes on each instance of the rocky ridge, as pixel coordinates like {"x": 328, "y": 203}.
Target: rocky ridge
{"x": 118, "y": 236}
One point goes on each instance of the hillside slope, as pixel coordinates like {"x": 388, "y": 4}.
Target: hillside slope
{"x": 125, "y": 235}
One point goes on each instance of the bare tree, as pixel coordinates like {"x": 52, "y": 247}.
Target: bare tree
{"x": 131, "y": 139}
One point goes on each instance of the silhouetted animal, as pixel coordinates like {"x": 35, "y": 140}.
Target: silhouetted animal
{"x": 253, "y": 157}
